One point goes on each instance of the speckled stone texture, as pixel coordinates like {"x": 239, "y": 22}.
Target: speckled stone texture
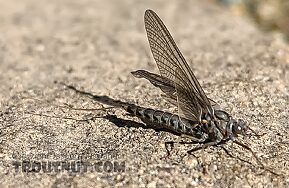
{"x": 94, "y": 45}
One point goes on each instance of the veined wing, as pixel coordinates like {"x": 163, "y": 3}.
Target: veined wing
{"x": 192, "y": 100}
{"x": 166, "y": 85}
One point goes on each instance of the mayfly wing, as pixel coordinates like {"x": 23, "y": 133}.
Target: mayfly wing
{"x": 166, "y": 85}
{"x": 191, "y": 98}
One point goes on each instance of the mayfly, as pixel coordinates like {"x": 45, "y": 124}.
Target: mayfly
{"x": 198, "y": 118}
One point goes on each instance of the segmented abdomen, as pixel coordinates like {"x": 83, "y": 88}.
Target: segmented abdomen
{"x": 161, "y": 119}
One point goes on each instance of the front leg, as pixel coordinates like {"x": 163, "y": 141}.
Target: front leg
{"x": 204, "y": 146}
{"x": 193, "y": 140}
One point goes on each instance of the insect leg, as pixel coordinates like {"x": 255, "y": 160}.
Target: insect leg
{"x": 204, "y": 146}
{"x": 255, "y": 156}
{"x": 192, "y": 139}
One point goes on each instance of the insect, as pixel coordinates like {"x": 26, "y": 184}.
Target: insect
{"x": 198, "y": 118}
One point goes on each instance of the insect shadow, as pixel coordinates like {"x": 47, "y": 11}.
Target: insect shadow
{"x": 120, "y": 122}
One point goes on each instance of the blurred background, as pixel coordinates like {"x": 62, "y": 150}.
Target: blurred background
{"x": 270, "y": 15}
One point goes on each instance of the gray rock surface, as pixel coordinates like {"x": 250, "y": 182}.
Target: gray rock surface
{"x": 94, "y": 45}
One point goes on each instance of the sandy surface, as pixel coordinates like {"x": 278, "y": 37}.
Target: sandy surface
{"x": 94, "y": 45}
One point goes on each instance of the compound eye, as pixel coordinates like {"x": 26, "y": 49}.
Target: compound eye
{"x": 239, "y": 129}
